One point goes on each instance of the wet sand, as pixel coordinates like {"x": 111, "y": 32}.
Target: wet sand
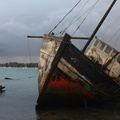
{"x": 91, "y": 113}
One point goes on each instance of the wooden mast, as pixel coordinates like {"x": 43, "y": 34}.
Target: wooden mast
{"x": 99, "y": 25}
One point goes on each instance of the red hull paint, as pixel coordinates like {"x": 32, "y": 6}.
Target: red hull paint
{"x": 68, "y": 88}
{"x": 71, "y": 77}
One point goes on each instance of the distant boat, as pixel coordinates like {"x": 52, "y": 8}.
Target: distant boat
{"x": 1, "y": 87}
{"x": 7, "y": 78}
{"x": 68, "y": 75}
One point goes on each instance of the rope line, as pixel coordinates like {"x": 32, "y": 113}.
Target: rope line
{"x": 114, "y": 35}
{"x": 110, "y": 25}
{"x": 64, "y": 17}
{"x": 29, "y": 49}
{"x": 72, "y": 22}
{"x": 116, "y": 41}
{"x": 90, "y": 9}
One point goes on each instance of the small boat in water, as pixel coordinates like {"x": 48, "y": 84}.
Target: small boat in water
{"x": 67, "y": 75}
{"x": 1, "y": 87}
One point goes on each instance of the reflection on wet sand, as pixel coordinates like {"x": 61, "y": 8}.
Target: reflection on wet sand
{"x": 2, "y": 92}
{"x": 92, "y": 113}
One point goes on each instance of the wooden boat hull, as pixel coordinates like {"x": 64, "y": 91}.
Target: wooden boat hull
{"x": 73, "y": 78}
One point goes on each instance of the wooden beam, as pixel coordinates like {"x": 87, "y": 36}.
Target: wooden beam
{"x": 34, "y": 36}
{"x": 85, "y": 38}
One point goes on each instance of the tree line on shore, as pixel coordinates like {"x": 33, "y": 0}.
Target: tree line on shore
{"x": 15, "y": 64}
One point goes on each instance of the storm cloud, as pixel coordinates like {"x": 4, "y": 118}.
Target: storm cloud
{"x": 20, "y": 18}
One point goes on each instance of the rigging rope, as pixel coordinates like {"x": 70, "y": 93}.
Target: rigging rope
{"x": 110, "y": 26}
{"x": 65, "y": 17}
{"x": 90, "y": 9}
{"x": 114, "y": 35}
{"x": 29, "y": 49}
{"x": 62, "y": 32}
{"x": 116, "y": 41}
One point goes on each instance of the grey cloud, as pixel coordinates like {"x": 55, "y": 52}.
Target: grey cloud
{"x": 30, "y": 17}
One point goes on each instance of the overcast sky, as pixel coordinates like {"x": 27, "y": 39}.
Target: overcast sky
{"x": 19, "y": 18}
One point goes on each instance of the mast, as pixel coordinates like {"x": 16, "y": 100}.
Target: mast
{"x": 99, "y": 25}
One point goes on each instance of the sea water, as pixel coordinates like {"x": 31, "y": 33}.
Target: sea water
{"x": 18, "y": 100}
